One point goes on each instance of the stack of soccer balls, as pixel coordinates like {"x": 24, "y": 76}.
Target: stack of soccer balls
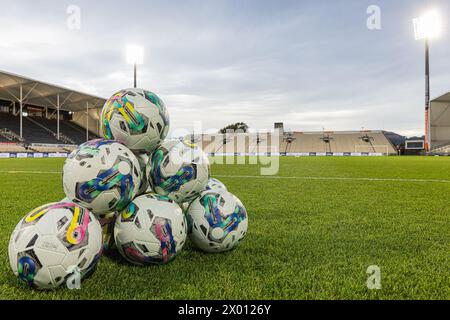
{"x": 135, "y": 191}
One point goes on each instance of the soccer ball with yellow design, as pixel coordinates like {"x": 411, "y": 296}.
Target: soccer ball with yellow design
{"x": 54, "y": 243}
{"x": 135, "y": 117}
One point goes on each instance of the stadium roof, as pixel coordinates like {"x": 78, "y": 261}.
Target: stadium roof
{"x": 443, "y": 98}
{"x": 440, "y": 121}
{"x": 43, "y": 94}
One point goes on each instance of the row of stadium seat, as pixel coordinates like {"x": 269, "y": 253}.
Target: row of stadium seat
{"x": 68, "y": 128}
{"x": 296, "y": 142}
{"x": 52, "y": 149}
{"x": 31, "y": 131}
{"x": 42, "y": 130}
{"x": 374, "y": 141}
{"x": 13, "y": 147}
{"x": 445, "y": 149}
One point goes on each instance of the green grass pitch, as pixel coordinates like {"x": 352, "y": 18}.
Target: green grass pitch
{"x": 313, "y": 231}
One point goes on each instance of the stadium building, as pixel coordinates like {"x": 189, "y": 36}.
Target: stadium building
{"x": 42, "y": 119}
{"x": 440, "y": 124}
{"x": 278, "y": 142}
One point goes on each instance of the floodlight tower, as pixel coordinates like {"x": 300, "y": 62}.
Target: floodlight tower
{"x": 135, "y": 56}
{"x": 427, "y": 27}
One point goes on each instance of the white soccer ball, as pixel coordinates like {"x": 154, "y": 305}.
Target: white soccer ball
{"x": 214, "y": 184}
{"x": 217, "y": 221}
{"x": 136, "y": 118}
{"x": 152, "y": 229}
{"x": 54, "y": 242}
{"x": 179, "y": 170}
{"x": 101, "y": 175}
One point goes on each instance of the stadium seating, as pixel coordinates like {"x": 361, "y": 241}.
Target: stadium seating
{"x": 297, "y": 142}
{"x": 443, "y": 150}
{"x": 11, "y": 147}
{"x": 71, "y": 130}
{"x": 10, "y": 123}
{"x": 42, "y": 130}
{"x": 3, "y": 138}
{"x": 49, "y": 149}
{"x": 31, "y": 131}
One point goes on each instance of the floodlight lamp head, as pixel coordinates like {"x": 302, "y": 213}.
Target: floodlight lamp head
{"x": 428, "y": 26}
{"x": 135, "y": 54}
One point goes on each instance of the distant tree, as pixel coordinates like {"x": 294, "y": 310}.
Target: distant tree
{"x": 241, "y": 126}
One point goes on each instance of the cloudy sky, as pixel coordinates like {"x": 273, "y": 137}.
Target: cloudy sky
{"x": 310, "y": 64}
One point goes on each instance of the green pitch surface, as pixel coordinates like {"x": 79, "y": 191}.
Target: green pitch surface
{"x": 314, "y": 229}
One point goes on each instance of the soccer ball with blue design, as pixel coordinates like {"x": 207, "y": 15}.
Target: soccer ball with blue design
{"x": 215, "y": 184}
{"x": 135, "y": 117}
{"x": 217, "y": 221}
{"x": 102, "y": 176}
{"x": 179, "y": 170}
{"x": 54, "y": 243}
{"x": 152, "y": 229}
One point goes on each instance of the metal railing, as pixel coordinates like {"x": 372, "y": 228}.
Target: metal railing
{"x": 11, "y": 135}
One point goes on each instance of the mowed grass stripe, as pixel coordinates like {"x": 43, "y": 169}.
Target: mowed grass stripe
{"x": 31, "y": 172}
{"x": 333, "y": 178}
{"x": 307, "y": 239}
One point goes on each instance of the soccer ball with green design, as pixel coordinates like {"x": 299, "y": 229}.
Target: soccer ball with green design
{"x": 179, "y": 170}
{"x": 152, "y": 229}
{"x": 53, "y": 243}
{"x": 102, "y": 176}
{"x": 135, "y": 117}
{"x": 215, "y": 184}
{"x": 217, "y": 221}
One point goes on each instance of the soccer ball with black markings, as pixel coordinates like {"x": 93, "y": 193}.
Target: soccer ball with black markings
{"x": 53, "y": 241}
{"x": 137, "y": 118}
{"x": 215, "y": 184}
{"x": 179, "y": 170}
{"x": 102, "y": 176}
{"x": 217, "y": 220}
{"x": 152, "y": 229}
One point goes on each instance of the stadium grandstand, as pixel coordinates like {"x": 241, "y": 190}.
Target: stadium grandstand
{"x": 440, "y": 125}
{"x": 41, "y": 118}
{"x": 338, "y": 143}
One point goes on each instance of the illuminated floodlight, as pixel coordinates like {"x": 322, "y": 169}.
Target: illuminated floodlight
{"x": 428, "y": 26}
{"x": 135, "y": 54}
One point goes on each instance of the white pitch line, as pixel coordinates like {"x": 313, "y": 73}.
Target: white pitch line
{"x": 336, "y": 178}
{"x": 28, "y": 171}
{"x": 272, "y": 177}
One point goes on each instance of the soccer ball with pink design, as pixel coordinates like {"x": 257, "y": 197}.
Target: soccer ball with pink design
{"x": 152, "y": 229}
{"x": 54, "y": 244}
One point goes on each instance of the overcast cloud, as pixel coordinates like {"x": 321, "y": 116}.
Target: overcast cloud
{"x": 310, "y": 64}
